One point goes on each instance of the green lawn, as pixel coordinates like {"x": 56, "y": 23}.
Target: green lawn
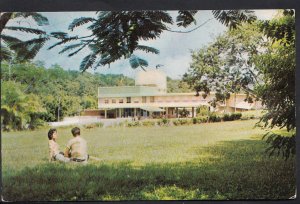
{"x": 207, "y": 161}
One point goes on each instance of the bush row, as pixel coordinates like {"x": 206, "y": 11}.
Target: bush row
{"x": 176, "y": 122}
{"x": 184, "y": 121}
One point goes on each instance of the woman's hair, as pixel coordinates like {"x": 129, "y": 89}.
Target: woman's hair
{"x": 75, "y": 131}
{"x": 50, "y": 133}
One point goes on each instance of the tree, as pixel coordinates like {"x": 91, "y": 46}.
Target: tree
{"x": 19, "y": 110}
{"x": 263, "y": 67}
{"x": 118, "y": 34}
{"x": 226, "y": 66}
{"x": 24, "y": 50}
{"x": 278, "y": 66}
{"x": 177, "y": 85}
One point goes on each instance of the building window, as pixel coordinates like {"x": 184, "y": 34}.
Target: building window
{"x": 121, "y": 101}
{"x": 151, "y": 99}
{"x": 128, "y": 99}
{"x": 144, "y": 99}
{"x": 106, "y": 101}
{"x": 113, "y": 100}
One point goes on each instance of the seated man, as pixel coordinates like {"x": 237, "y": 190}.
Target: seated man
{"x": 77, "y": 147}
{"x": 54, "y": 154}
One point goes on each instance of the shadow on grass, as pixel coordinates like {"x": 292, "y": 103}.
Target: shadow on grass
{"x": 235, "y": 170}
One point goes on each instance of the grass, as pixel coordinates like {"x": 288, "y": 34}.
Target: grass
{"x": 199, "y": 162}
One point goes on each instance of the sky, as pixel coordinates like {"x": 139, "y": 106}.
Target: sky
{"x": 175, "y": 48}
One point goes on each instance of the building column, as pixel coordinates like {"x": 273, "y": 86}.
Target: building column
{"x": 176, "y": 112}
{"x": 105, "y": 113}
{"x": 193, "y": 112}
{"x": 167, "y": 112}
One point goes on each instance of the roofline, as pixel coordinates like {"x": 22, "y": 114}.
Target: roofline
{"x": 159, "y": 94}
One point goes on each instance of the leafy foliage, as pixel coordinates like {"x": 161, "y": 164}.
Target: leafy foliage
{"x": 263, "y": 66}
{"x": 24, "y": 50}
{"x": 32, "y": 94}
{"x": 136, "y": 62}
{"x": 234, "y": 18}
{"x": 17, "y": 108}
{"x": 116, "y": 35}
{"x": 278, "y": 66}
{"x": 177, "y": 86}
{"x": 286, "y": 146}
{"x": 38, "y": 18}
{"x": 185, "y": 18}
{"x": 80, "y": 21}
{"x": 226, "y": 66}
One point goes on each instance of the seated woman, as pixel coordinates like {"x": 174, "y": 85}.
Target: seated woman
{"x": 54, "y": 154}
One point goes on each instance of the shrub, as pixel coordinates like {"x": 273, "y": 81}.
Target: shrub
{"x": 195, "y": 121}
{"x": 182, "y": 122}
{"x": 214, "y": 118}
{"x": 185, "y": 121}
{"x": 236, "y": 116}
{"x": 228, "y": 117}
{"x": 176, "y": 122}
{"x": 232, "y": 117}
{"x": 148, "y": 123}
{"x": 133, "y": 124}
{"x": 163, "y": 122}
{"x": 202, "y": 110}
{"x": 202, "y": 119}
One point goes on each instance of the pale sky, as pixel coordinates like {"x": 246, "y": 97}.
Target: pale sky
{"x": 174, "y": 47}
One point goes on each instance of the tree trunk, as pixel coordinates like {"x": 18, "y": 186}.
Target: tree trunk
{"x": 5, "y": 17}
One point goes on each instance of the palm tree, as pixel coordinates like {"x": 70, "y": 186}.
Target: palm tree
{"x": 17, "y": 108}
{"x": 13, "y": 106}
{"x": 24, "y": 50}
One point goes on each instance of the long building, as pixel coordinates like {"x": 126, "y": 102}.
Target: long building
{"x": 149, "y": 98}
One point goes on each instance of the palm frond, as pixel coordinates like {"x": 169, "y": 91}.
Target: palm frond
{"x": 87, "y": 62}
{"x": 136, "y": 62}
{"x": 105, "y": 59}
{"x": 158, "y": 16}
{"x": 80, "y": 21}
{"x": 9, "y": 40}
{"x": 59, "y": 35}
{"x": 234, "y": 18}
{"x": 5, "y": 53}
{"x": 28, "y": 49}
{"x": 63, "y": 41}
{"x": 185, "y": 18}
{"x": 70, "y": 47}
{"x": 38, "y": 18}
{"x": 27, "y": 30}
{"x": 75, "y": 52}
{"x": 93, "y": 47}
{"x": 147, "y": 49}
